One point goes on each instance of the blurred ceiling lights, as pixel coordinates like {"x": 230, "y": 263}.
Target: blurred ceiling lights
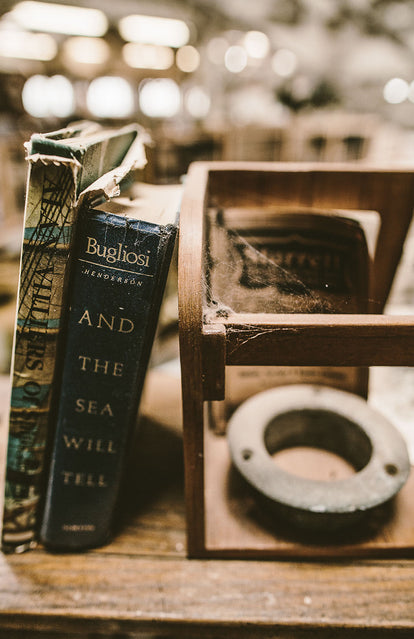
{"x": 27, "y": 46}
{"x": 147, "y": 56}
{"x": 235, "y": 59}
{"x": 256, "y": 44}
{"x": 284, "y": 63}
{"x": 197, "y": 102}
{"x": 72, "y": 36}
{"x": 94, "y": 51}
{"x": 398, "y": 90}
{"x": 160, "y": 98}
{"x": 110, "y": 97}
{"x": 59, "y": 18}
{"x": 48, "y": 96}
{"x": 154, "y": 30}
{"x": 187, "y": 59}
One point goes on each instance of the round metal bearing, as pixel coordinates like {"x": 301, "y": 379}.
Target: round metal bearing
{"x": 323, "y": 417}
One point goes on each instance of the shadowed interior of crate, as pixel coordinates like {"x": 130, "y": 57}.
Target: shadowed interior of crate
{"x": 288, "y": 260}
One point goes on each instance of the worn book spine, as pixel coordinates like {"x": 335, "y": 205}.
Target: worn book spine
{"x": 58, "y": 173}
{"x": 119, "y": 276}
{"x": 47, "y": 232}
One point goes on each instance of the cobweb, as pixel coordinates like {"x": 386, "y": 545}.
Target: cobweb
{"x": 284, "y": 263}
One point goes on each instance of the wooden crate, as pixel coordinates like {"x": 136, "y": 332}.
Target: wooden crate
{"x": 219, "y": 513}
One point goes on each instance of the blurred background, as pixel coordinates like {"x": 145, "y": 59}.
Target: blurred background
{"x": 301, "y": 80}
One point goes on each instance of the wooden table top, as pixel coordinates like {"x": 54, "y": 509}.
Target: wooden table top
{"x": 143, "y": 584}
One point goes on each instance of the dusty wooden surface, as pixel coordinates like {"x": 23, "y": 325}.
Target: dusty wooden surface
{"x": 142, "y": 584}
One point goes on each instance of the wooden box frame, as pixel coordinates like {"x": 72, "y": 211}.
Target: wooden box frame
{"x": 247, "y": 339}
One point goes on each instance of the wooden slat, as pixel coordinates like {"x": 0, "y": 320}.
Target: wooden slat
{"x": 190, "y": 280}
{"x": 214, "y": 361}
{"x": 322, "y": 340}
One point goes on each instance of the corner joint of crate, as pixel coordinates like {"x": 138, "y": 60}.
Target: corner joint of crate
{"x": 213, "y": 361}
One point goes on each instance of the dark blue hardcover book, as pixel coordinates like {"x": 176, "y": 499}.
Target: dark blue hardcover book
{"x": 123, "y": 252}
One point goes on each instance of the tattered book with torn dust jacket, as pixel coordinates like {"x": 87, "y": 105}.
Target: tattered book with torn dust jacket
{"x": 61, "y": 165}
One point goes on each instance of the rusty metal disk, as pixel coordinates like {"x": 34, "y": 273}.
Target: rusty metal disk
{"x": 322, "y": 417}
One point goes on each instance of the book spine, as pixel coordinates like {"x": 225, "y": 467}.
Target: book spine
{"x": 47, "y": 233}
{"x": 119, "y": 275}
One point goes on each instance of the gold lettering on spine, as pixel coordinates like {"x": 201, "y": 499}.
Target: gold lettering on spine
{"x": 85, "y": 480}
{"x": 111, "y": 322}
{"x": 90, "y": 444}
{"x": 91, "y": 407}
{"x": 119, "y": 253}
{"x": 85, "y": 317}
{"x": 102, "y": 366}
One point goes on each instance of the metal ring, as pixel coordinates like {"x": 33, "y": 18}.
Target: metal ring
{"x": 311, "y": 415}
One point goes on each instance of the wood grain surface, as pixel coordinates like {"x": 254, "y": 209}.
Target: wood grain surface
{"x": 142, "y": 584}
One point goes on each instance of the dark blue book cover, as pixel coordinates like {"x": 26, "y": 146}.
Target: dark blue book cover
{"x": 119, "y": 275}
